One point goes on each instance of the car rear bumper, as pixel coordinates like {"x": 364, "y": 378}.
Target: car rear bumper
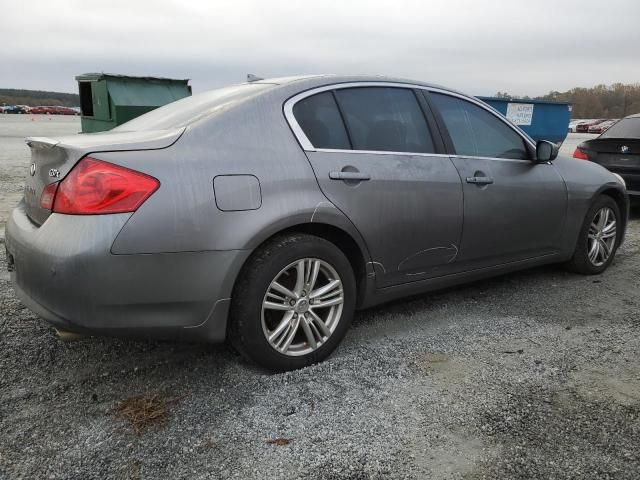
{"x": 65, "y": 272}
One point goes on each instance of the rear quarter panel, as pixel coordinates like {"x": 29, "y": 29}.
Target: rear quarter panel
{"x": 251, "y": 139}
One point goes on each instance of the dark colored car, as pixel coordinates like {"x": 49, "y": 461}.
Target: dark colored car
{"x": 17, "y": 109}
{"x": 618, "y": 150}
{"x": 266, "y": 213}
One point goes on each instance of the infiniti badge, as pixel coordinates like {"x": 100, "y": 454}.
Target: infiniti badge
{"x": 32, "y": 169}
{"x": 624, "y": 149}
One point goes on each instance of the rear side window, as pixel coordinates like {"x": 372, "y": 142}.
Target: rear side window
{"x": 625, "y": 128}
{"x": 320, "y": 120}
{"x": 476, "y": 132}
{"x": 385, "y": 119}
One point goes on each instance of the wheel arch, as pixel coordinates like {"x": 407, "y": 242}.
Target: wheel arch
{"x": 353, "y": 248}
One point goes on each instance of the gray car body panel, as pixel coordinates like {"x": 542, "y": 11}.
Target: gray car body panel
{"x": 168, "y": 270}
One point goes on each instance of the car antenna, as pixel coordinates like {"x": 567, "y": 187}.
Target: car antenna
{"x": 253, "y": 78}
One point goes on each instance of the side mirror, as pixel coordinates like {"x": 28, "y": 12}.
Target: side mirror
{"x": 546, "y": 151}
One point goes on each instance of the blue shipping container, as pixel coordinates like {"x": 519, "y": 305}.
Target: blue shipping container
{"x": 541, "y": 120}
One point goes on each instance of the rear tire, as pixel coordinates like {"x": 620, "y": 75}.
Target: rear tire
{"x": 598, "y": 239}
{"x": 293, "y": 302}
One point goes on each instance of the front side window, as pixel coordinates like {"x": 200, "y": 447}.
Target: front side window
{"x": 384, "y": 119}
{"x": 320, "y": 120}
{"x": 476, "y": 132}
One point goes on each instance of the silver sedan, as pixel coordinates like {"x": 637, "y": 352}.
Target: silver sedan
{"x": 266, "y": 213}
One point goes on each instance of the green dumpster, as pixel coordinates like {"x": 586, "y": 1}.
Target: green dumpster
{"x": 108, "y": 100}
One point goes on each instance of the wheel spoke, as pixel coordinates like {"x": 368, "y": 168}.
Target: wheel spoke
{"x": 609, "y": 227}
{"x": 328, "y": 303}
{"x": 311, "y": 340}
{"x": 314, "y": 274}
{"x": 333, "y": 293}
{"x": 605, "y": 249}
{"x": 317, "y": 322}
{"x": 293, "y": 329}
{"x": 610, "y": 233}
{"x": 282, "y": 326}
{"x": 325, "y": 289}
{"x": 300, "y": 268}
{"x": 593, "y": 251}
{"x": 275, "y": 296}
{"x": 315, "y": 330}
{"x": 602, "y": 218}
{"x": 282, "y": 289}
{"x": 276, "y": 306}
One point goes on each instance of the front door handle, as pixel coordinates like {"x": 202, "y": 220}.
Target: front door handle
{"x": 480, "y": 180}
{"x": 358, "y": 176}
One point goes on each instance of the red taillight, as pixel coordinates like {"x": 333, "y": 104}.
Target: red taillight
{"x": 97, "y": 187}
{"x": 579, "y": 154}
{"x": 48, "y": 194}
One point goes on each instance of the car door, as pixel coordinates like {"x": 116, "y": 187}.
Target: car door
{"x": 514, "y": 208}
{"x": 375, "y": 158}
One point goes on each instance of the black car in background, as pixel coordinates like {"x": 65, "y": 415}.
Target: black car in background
{"x": 618, "y": 150}
{"x": 16, "y": 109}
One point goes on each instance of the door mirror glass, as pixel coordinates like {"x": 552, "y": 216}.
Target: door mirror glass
{"x": 546, "y": 151}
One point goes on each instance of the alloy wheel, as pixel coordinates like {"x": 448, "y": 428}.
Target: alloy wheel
{"x": 302, "y": 306}
{"x": 602, "y": 236}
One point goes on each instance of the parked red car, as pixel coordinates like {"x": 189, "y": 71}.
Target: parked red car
{"x": 602, "y": 126}
{"x": 52, "y": 110}
{"x": 584, "y": 126}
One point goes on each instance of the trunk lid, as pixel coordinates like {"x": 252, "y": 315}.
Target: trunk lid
{"x": 53, "y": 158}
{"x": 615, "y": 153}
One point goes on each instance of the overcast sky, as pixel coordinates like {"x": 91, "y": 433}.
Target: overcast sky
{"x": 525, "y": 47}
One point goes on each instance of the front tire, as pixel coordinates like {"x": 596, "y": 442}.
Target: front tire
{"x": 293, "y": 302}
{"x": 598, "y": 239}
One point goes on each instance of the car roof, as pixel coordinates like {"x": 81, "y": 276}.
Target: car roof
{"x": 304, "y": 82}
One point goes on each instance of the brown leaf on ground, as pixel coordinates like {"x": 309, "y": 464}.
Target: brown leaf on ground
{"x": 279, "y": 441}
{"x": 142, "y": 411}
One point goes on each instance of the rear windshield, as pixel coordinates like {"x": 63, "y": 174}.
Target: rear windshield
{"x": 625, "y": 128}
{"x": 191, "y": 109}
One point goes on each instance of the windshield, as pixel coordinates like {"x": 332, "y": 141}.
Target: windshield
{"x": 625, "y": 128}
{"x": 190, "y": 109}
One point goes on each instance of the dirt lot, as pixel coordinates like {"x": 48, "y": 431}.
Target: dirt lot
{"x": 530, "y": 375}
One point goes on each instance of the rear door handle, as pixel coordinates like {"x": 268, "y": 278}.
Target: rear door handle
{"x": 480, "y": 180}
{"x": 359, "y": 176}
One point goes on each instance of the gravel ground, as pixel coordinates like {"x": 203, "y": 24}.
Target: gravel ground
{"x": 530, "y": 375}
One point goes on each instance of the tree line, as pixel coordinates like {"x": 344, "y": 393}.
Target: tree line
{"x": 32, "y": 98}
{"x": 602, "y": 101}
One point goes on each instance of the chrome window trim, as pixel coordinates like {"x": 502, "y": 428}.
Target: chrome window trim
{"x": 308, "y": 147}
{"x": 413, "y": 154}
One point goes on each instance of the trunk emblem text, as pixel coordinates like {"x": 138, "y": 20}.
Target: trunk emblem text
{"x": 32, "y": 169}
{"x": 54, "y": 173}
